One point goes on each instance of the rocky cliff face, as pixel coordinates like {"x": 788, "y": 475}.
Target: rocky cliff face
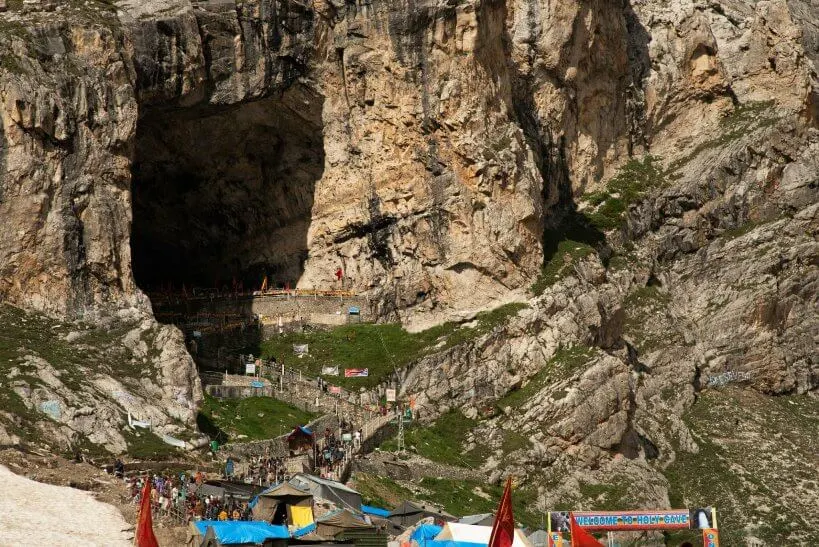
{"x": 421, "y": 147}
{"x": 659, "y": 158}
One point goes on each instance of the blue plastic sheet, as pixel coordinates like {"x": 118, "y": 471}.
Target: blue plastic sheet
{"x": 425, "y": 532}
{"x": 375, "y": 511}
{"x": 305, "y": 530}
{"x": 231, "y": 532}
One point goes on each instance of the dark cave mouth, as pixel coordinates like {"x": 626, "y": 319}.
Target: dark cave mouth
{"x": 223, "y": 196}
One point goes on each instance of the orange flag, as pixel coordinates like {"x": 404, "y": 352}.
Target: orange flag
{"x": 145, "y": 528}
{"x": 580, "y": 537}
{"x": 503, "y": 530}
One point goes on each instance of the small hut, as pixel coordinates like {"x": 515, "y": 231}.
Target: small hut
{"x": 300, "y": 440}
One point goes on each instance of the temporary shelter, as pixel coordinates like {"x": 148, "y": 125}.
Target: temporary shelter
{"x": 285, "y": 504}
{"x": 332, "y": 491}
{"x": 300, "y": 440}
{"x": 469, "y": 533}
{"x": 215, "y": 533}
{"x": 483, "y": 519}
{"x": 335, "y": 522}
{"x": 221, "y": 489}
{"x": 425, "y": 532}
{"x": 408, "y": 513}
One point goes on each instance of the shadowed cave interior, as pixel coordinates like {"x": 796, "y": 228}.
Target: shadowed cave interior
{"x": 222, "y": 196}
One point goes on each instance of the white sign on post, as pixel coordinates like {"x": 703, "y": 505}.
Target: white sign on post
{"x": 250, "y": 368}
{"x": 390, "y": 395}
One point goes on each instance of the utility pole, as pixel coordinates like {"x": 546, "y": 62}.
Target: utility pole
{"x": 401, "y": 447}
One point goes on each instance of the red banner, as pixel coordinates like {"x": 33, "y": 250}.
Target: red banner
{"x": 356, "y": 372}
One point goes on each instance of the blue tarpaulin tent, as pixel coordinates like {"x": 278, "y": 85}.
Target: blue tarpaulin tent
{"x": 237, "y": 532}
{"x": 425, "y": 532}
{"x": 375, "y": 511}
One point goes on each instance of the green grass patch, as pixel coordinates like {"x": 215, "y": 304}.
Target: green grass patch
{"x": 465, "y": 497}
{"x": 512, "y": 441}
{"x": 443, "y": 441}
{"x": 564, "y": 363}
{"x": 380, "y": 491}
{"x": 457, "y": 497}
{"x": 630, "y": 184}
{"x": 377, "y": 346}
{"x": 256, "y": 417}
{"x": 568, "y": 253}
{"x": 145, "y": 445}
{"x": 572, "y": 239}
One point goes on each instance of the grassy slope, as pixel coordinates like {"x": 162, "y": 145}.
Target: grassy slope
{"x": 457, "y": 497}
{"x": 256, "y": 417}
{"x": 442, "y": 441}
{"x": 755, "y": 451}
{"x": 97, "y": 350}
{"x": 376, "y": 347}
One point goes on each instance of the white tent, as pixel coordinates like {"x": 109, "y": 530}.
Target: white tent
{"x": 471, "y": 533}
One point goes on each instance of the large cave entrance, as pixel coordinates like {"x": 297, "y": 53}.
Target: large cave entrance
{"x": 222, "y": 196}
{"x": 222, "y": 199}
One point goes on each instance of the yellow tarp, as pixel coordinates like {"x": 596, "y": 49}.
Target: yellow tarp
{"x": 302, "y": 516}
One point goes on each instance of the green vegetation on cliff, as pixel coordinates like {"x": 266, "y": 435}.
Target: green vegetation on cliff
{"x": 757, "y": 456}
{"x": 443, "y": 441}
{"x": 457, "y": 497}
{"x": 377, "y": 346}
{"x": 634, "y": 180}
{"x": 255, "y": 418}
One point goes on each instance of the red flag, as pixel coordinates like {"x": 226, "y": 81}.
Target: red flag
{"x": 145, "y": 528}
{"x": 580, "y": 537}
{"x": 503, "y": 530}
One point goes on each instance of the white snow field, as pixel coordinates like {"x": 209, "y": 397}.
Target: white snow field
{"x": 33, "y": 513}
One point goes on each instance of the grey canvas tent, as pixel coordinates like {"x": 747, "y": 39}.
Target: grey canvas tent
{"x": 332, "y": 491}
{"x": 272, "y": 504}
{"x": 408, "y": 513}
{"x": 335, "y": 522}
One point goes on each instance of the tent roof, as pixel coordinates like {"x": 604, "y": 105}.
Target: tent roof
{"x": 284, "y": 489}
{"x": 470, "y": 533}
{"x": 475, "y": 519}
{"x": 233, "y": 532}
{"x": 342, "y": 518}
{"x": 300, "y": 431}
{"x": 412, "y": 508}
{"x": 324, "y": 482}
{"x": 375, "y": 511}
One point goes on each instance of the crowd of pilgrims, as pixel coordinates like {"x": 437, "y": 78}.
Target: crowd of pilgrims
{"x": 177, "y": 496}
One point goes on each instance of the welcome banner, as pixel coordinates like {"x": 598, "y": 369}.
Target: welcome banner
{"x": 613, "y": 521}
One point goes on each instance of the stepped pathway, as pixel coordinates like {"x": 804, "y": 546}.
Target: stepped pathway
{"x": 300, "y": 390}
